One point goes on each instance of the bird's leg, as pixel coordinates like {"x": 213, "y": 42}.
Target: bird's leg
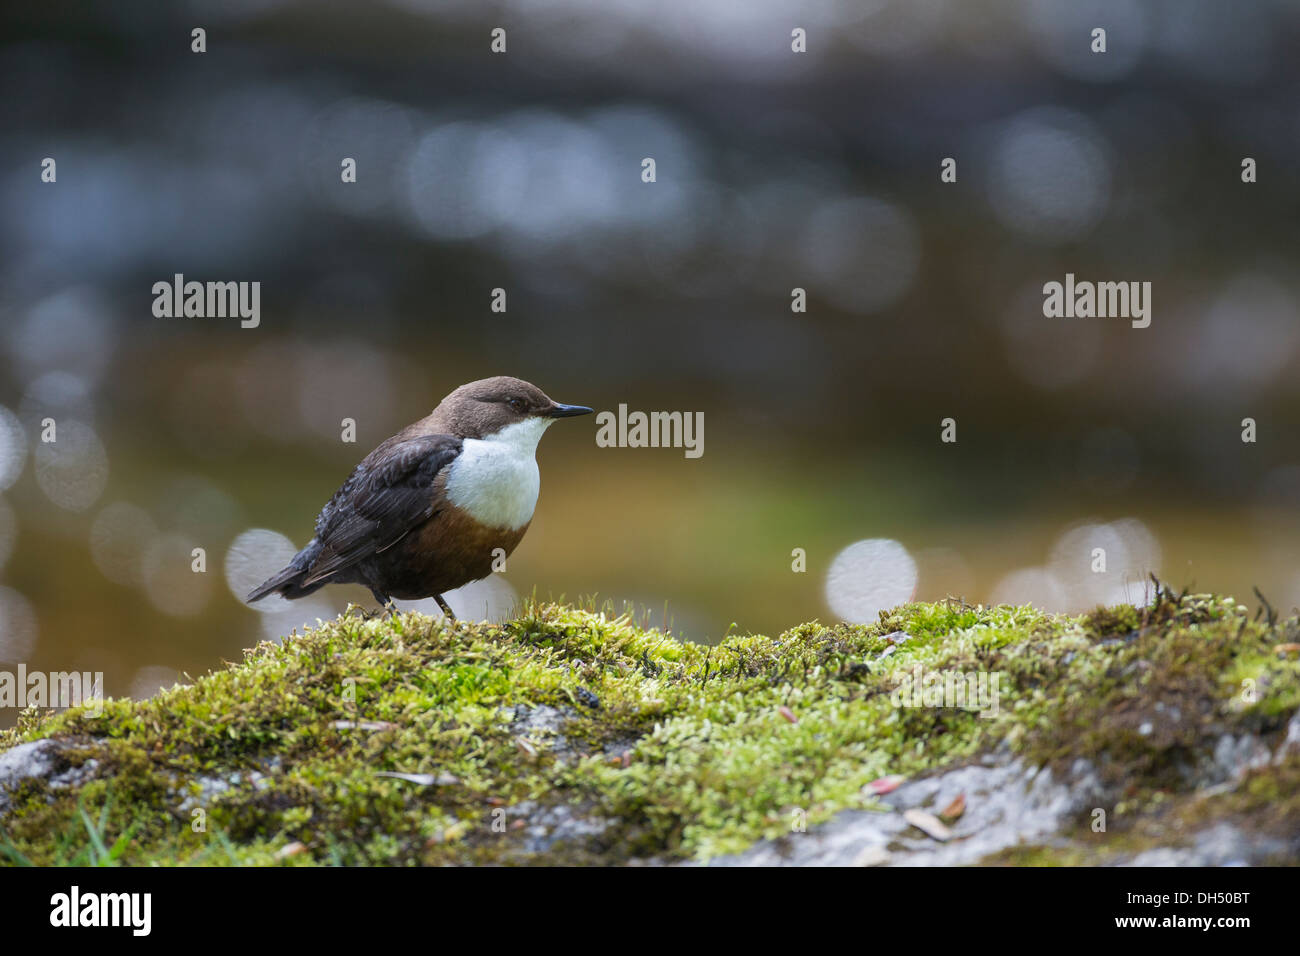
{"x": 446, "y": 608}
{"x": 385, "y": 602}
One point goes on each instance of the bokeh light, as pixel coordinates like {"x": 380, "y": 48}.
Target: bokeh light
{"x": 149, "y": 680}
{"x": 491, "y": 599}
{"x": 120, "y": 536}
{"x": 8, "y": 531}
{"x": 1247, "y": 335}
{"x": 69, "y": 331}
{"x": 252, "y": 557}
{"x": 13, "y": 448}
{"x": 1061, "y": 32}
{"x": 17, "y": 626}
{"x": 869, "y": 576}
{"x": 285, "y": 617}
{"x": 169, "y": 579}
{"x": 1049, "y": 176}
{"x": 72, "y": 470}
{"x": 1035, "y": 586}
{"x": 864, "y": 253}
{"x": 1095, "y": 563}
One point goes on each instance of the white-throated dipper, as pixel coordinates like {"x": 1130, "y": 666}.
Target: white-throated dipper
{"x": 426, "y": 511}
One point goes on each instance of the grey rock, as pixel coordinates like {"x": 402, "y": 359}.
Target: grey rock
{"x": 212, "y": 787}
{"x": 1234, "y": 756}
{"x": 547, "y": 826}
{"x": 25, "y": 762}
{"x": 1219, "y": 845}
{"x": 540, "y": 727}
{"x": 1291, "y": 743}
{"x": 1006, "y": 804}
{"x": 543, "y": 718}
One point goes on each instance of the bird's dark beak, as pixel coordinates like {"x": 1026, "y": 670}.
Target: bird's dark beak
{"x": 568, "y": 411}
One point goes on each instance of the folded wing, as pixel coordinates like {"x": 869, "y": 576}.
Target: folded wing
{"x": 388, "y": 495}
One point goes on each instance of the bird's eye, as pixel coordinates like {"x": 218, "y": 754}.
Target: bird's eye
{"x": 518, "y": 404}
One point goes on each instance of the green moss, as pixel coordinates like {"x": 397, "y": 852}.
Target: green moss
{"x": 608, "y": 742}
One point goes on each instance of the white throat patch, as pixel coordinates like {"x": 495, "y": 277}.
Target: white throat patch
{"x": 495, "y": 479}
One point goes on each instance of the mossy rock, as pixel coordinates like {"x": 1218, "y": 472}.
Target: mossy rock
{"x": 574, "y": 736}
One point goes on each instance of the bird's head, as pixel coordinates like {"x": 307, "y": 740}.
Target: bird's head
{"x": 502, "y": 408}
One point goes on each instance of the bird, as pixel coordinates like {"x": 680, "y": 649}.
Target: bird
{"x": 428, "y": 509}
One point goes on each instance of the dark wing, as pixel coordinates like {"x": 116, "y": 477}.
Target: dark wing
{"x": 390, "y": 493}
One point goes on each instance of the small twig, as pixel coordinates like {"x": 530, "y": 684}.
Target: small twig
{"x": 1272, "y": 614}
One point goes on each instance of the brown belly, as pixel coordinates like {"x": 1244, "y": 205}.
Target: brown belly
{"x": 448, "y": 551}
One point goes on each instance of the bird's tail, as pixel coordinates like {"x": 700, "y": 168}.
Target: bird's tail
{"x": 288, "y": 581}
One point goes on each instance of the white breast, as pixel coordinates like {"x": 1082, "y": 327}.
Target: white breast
{"x": 495, "y": 479}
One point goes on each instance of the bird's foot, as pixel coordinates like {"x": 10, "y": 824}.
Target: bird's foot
{"x": 386, "y": 606}
{"x": 446, "y": 608}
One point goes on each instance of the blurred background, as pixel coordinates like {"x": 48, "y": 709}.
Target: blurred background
{"x": 522, "y": 171}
